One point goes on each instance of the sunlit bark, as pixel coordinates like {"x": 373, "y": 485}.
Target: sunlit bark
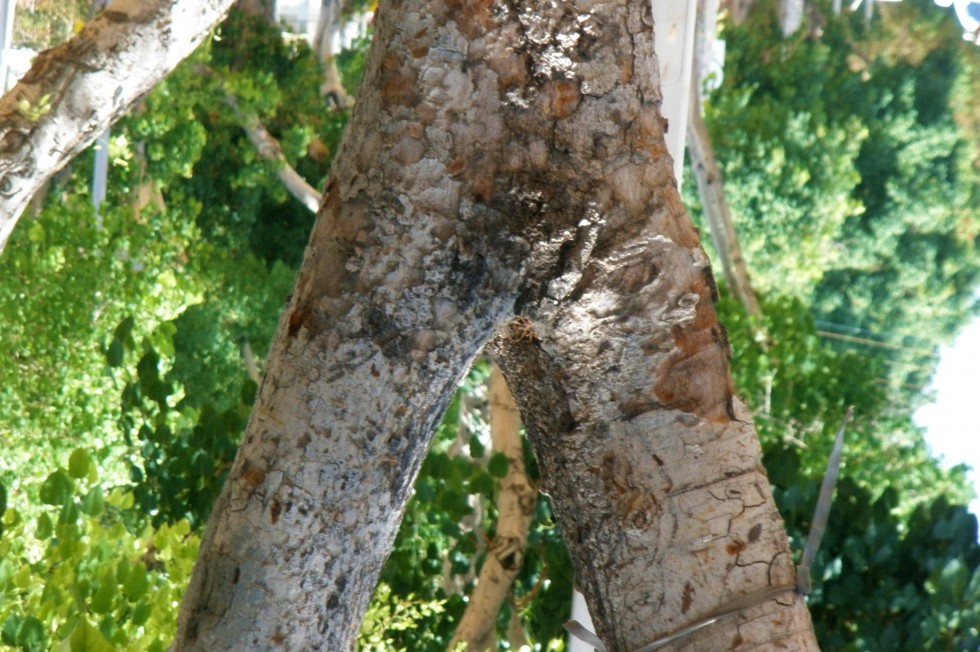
{"x": 503, "y": 158}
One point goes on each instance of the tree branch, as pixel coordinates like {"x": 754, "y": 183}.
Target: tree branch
{"x": 716, "y": 210}
{"x": 76, "y": 90}
{"x": 270, "y": 150}
{"x": 515, "y": 506}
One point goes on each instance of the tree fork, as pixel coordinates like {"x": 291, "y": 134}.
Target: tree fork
{"x": 502, "y": 157}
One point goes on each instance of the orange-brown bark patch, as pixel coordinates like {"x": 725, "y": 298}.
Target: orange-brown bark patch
{"x": 400, "y": 85}
{"x": 253, "y": 475}
{"x": 694, "y": 376}
{"x": 625, "y": 69}
{"x": 472, "y": 16}
{"x": 564, "y": 97}
{"x": 735, "y": 547}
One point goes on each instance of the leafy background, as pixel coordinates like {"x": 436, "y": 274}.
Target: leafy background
{"x": 851, "y": 157}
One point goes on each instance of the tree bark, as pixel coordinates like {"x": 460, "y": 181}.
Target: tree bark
{"x": 74, "y": 91}
{"x": 516, "y": 501}
{"x": 502, "y": 157}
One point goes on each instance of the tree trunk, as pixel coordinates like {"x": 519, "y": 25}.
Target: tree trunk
{"x": 74, "y": 91}
{"x": 502, "y": 157}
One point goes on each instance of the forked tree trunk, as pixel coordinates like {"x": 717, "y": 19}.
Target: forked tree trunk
{"x": 502, "y": 158}
{"x": 74, "y": 91}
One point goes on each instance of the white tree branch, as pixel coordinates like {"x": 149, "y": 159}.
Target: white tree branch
{"x": 74, "y": 91}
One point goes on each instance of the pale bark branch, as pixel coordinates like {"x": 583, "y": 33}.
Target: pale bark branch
{"x": 501, "y": 158}
{"x": 76, "y": 90}
{"x": 267, "y": 146}
{"x": 324, "y": 39}
{"x": 270, "y": 149}
{"x": 515, "y": 510}
{"x": 716, "y": 209}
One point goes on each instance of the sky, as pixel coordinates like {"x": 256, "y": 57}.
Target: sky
{"x": 951, "y": 422}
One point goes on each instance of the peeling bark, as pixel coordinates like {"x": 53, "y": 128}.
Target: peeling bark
{"x": 502, "y": 158}
{"x": 74, "y": 91}
{"x": 516, "y": 501}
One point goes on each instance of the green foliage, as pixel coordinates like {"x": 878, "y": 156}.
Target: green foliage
{"x": 853, "y": 185}
{"x": 74, "y": 577}
{"x": 446, "y": 529}
{"x": 898, "y": 527}
{"x": 388, "y": 616}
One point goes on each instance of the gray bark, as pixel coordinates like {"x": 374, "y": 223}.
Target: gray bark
{"x": 328, "y": 23}
{"x": 76, "y": 90}
{"x": 502, "y": 158}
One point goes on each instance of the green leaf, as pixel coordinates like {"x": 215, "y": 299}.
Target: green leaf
{"x": 136, "y": 583}
{"x": 79, "y": 463}
{"x": 114, "y": 354}
{"x": 85, "y": 638}
{"x": 57, "y": 489}
{"x": 498, "y": 465}
{"x": 93, "y": 503}
{"x": 31, "y": 635}
{"x": 44, "y": 527}
{"x": 8, "y": 633}
{"x": 477, "y": 449}
{"x": 102, "y": 600}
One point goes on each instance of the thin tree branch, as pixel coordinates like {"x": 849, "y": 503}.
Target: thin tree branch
{"x": 268, "y": 147}
{"x": 74, "y": 91}
{"x": 270, "y": 150}
{"x": 716, "y": 209}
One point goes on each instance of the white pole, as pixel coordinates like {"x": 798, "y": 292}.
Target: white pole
{"x": 7, "y": 10}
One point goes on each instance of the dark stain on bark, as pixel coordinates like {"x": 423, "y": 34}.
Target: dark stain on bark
{"x": 115, "y": 16}
{"x": 274, "y": 511}
{"x": 687, "y": 597}
{"x": 298, "y": 319}
{"x": 384, "y": 333}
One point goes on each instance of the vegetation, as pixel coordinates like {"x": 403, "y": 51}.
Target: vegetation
{"x": 127, "y": 335}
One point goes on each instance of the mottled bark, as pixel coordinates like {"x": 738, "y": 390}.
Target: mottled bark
{"x": 502, "y": 157}
{"x": 76, "y": 90}
{"x": 516, "y": 500}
